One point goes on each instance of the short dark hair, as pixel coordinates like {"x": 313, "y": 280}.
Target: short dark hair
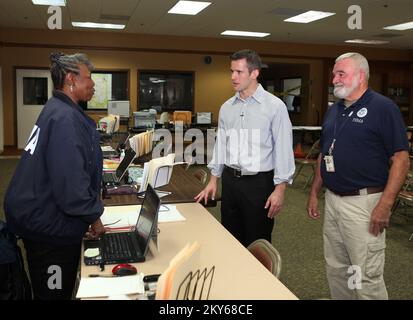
{"x": 253, "y": 59}
{"x": 61, "y": 64}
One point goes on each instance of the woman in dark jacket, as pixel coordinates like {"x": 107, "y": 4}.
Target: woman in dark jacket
{"x": 54, "y": 195}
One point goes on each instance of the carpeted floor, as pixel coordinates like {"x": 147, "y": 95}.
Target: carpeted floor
{"x": 299, "y": 241}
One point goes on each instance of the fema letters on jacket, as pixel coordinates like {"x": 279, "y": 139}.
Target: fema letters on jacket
{"x": 34, "y": 138}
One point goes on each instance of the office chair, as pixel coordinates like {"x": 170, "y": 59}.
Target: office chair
{"x": 265, "y": 253}
{"x": 310, "y": 160}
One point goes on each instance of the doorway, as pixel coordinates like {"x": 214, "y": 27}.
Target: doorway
{"x": 33, "y": 89}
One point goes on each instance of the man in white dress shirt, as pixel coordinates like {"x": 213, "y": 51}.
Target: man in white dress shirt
{"x": 253, "y": 153}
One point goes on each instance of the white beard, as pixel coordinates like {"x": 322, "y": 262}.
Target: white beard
{"x": 342, "y": 92}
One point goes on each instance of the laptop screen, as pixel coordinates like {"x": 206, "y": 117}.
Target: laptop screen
{"x": 123, "y": 141}
{"x": 148, "y": 218}
{"x": 127, "y": 160}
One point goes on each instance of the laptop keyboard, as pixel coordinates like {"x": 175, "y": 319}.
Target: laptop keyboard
{"x": 117, "y": 246}
{"x": 108, "y": 178}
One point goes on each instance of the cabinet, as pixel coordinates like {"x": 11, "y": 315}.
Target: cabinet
{"x": 401, "y": 96}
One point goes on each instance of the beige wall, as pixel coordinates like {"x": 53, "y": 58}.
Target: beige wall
{"x": 31, "y": 48}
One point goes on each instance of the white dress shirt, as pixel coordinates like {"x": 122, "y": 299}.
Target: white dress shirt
{"x": 254, "y": 135}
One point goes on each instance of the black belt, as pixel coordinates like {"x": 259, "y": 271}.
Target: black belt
{"x": 238, "y": 173}
{"x": 365, "y": 191}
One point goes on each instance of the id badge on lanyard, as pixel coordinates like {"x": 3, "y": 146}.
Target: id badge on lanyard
{"x": 329, "y": 163}
{"x": 329, "y": 159}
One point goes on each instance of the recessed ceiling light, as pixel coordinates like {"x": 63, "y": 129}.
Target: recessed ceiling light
{"x": 98, "y": 25}
{"x": 310, "y": 16}
{"x": 189, "y": 7}
{"x": 367, "y": 41}
{"x": 244, "y": 33}
{"x": 402, "y": 26}
{"x": 60, "y": 3}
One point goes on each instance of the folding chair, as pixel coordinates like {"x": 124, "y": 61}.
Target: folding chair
{"x": 310, "y": 160}
{"x": 265, "y": 252}
{"x": 405, "y": 198}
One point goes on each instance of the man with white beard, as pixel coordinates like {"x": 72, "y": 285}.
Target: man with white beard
{"x": 363, "y": 163}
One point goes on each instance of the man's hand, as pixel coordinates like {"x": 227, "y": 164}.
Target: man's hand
{"x": 209, "y": 191}
{"x": 96, "y": 230}
{"x": 380, "y": 215}
{"x": 312, "y": 203}
{"x": 312, "y": 207}
{"x": 379, "y": 220}
{"x": 275, "y": 201}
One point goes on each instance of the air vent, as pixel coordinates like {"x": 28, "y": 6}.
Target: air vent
{"x": 114, "y": 17}
{"x": 287, "y": 11}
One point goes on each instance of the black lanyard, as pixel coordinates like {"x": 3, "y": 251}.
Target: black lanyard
{"x": 335, "y": 132}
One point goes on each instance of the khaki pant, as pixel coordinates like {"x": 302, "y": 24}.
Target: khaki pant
{"x": 354, "y": 257}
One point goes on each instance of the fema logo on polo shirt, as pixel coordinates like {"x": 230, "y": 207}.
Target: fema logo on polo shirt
{"x": 360, "y": 114}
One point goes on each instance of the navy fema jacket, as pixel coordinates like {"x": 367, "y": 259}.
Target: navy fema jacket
{"x": 54, "y": 194}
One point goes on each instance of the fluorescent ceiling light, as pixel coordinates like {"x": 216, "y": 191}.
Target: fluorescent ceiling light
{"x": 310, "y": 16}
{"x": 244, "y": 33}
{"x": 367, "y": 41}
{"x": 402, "y": 26}
{"x": 189, "y": 7}
{"x": 98, "y": 25}
{"x": 60, "y": 3}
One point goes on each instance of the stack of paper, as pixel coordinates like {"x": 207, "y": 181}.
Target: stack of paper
{"x": 111, "y": 286}
{"x": 151, "y": 174}
{"x": 109, "y": 164}
{"x": 142, "y": 143}
{"x": 154, "y": 166}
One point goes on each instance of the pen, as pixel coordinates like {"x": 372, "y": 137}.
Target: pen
{"x": 101, "y": 276}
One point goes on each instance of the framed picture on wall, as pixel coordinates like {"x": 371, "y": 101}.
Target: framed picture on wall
{"x": 109, "y": 85}
{"x": 291, "y": 88}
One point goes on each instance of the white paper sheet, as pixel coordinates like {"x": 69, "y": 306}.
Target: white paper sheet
{"x": 169, "y": 213}
{"x": 120, "y": 216}
{"x": 103, "y": 287}
{"x": 145, "y": 176}
{"x": 107, "y": 148}
{"x": 126, "y": 216}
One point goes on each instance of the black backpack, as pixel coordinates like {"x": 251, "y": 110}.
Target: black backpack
{"x": 14, "y": 283}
